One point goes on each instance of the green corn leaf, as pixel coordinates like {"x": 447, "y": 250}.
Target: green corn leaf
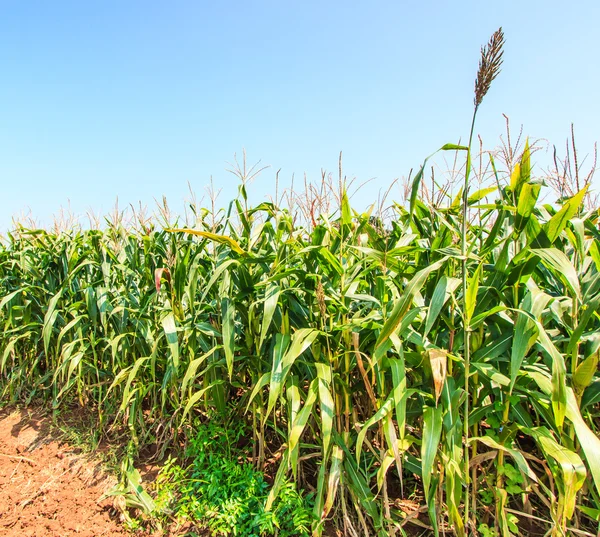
{"x": 192, "y": 368}
{"x": 326, "y": 404}
{"x": 399, "y": 392}
{"x": 284, "y": 356}
{"x": 10, "y": 348}
{"x": 588, "y": 311}
{"x": 588, "y": 440}
{"x": 50, "y": 319}
{"x": 385, "y": 409}
{"x": 74, "y": 362}
{"x": 319, "y": 496}
{"x": 594, "y": 252}
{"x": 262, "y": 382}
{"x": 301, "y": 341}
{"x": 228, "y": 316}
{"x": 331, "y": 262}
{"x": 577, "y": 236}
{"x": 472, "y": 294}
{"x": 388, "y": 460}
{"x": 120, "y": 377}
{"x": 481, "y": 317}
{"x": 272, "y": 293}
{"x": 525, "y": 332}
{"x": 526, "y": 328}
{"x": 337, "y": 458}
{"x": 591, "y": 395}
{"x": 170, "y": 330}
{"x": 562, "y": 267}
{"x": 501, "y": 514}
{"x": 116, "y": 343}
{"x": 555, "y": 226}
{"x": 277, "y": 372}
{"x": 573, "y": 472}
{"x": 514, "y": 453}
{"x": 594, "y": 514}
{"x": 454, "y": 483}
{"x": 415, "y": 188}
{"x": 300, "y": 423}
{"x": 5, "y": 300}
{"x": 527, "y": 200}
{"x": 134, "y": 481}
{"x": 405, "y": 301}
{"x": 196, "y": 397}
{"x": 293, "y": 397}
{"x": 278, "y": 482}
{"x": 492, "y": 373}
{"x": 442, "y": 292}
{"x": 130, "y": 379}
{"x": 559, "y": 376}
{"x": 346, "y": 210}
{"x": 361, "y": 493}
{"x": 521, "y": 174}
{"x": 71, "y": 324}
{"x": 432, "y": 430}
{"x": 584, "y": 374}
{"x": 454, "y": 147}
{"x": 220, "y": 269}
{"x": 480, "y": 194}
{"x": 418, "y": 178}
{"x": 457, "y": 201}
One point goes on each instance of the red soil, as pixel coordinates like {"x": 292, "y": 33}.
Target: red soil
{"x": 46, "y": 489}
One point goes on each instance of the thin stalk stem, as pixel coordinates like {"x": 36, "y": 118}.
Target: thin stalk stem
{"x": 466, "y": 322}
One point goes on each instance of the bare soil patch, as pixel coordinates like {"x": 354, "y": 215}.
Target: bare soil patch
{"x": 47, "y": 488}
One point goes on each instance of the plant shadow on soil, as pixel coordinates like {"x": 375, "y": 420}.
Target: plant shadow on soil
{"x": 51, "y": 487}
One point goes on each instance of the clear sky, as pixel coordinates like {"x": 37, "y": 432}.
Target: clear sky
{"x": 136, "y": 98}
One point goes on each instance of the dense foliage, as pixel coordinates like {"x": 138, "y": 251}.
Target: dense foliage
{"x": 342, "y": 346}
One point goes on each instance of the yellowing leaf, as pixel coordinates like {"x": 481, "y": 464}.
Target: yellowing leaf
{"x": 438, "y": 359}
{"x": 222, "y": 239}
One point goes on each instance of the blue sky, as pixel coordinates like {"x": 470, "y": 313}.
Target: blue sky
{"x": 135, "y": 99}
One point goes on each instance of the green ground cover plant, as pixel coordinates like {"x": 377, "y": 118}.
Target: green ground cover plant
{"x": 431, "y": 368}
{"x": 220, "y": 490}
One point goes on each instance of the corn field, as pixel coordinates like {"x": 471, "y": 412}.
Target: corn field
{"x": 447, "y": 355}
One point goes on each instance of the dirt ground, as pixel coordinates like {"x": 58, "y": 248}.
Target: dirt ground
{"x": 46, "y": 487}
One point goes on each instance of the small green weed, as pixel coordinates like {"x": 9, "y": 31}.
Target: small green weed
{"x": 226, "y": 495}
{"x": 486, "y": 531}
{"x": 514, "y": 479}
{"x": 514, "y": 483}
